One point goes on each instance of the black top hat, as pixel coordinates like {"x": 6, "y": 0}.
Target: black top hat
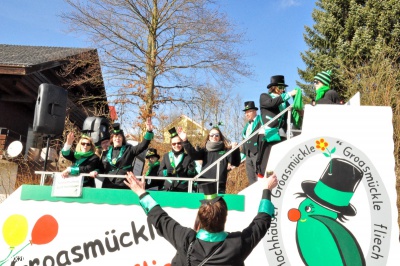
{"x": 117, "y": 129}
{"x": 86, "y": 132}
{"x": 104, "y": 135}
{"x": 336, "y": 187}
{"x": 172, "y": 132}
{"x": 278, "y": 80}
{"x": 210, "y": 193}
{"x": 249, "y": 106}
{"x": 152, "y": 152}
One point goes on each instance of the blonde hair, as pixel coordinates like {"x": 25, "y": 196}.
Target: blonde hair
{"x": 79, "y": 146}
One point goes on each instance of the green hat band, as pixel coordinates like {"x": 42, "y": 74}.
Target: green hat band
{"x": 324, "y": 77}
{"x": 333, "y": 196}
{"x": 210, "y": 197}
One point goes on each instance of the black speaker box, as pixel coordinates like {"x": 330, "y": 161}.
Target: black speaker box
{"x": 50, "y": 110}
{"x": 97, "y": 128}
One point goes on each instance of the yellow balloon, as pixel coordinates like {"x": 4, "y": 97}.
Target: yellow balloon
{"x": 15, "y": 230}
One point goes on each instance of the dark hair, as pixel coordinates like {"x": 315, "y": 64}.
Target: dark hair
{"x": 212, "y": 216}
{"x": 114, "y": 134}
{"x": 221, "y": 138}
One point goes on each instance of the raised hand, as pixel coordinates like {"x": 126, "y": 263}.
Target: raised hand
{"x": 272, "y": 181}
{"x": 70, "y": 138}
{"x": 135, "y": 184}
{"x": 181, "y": 134}
{"x": 149, "y": 124}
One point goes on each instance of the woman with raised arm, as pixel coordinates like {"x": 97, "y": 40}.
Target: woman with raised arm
{"x": 120, "y": 155}
{"x": 215, "y": 147}
{"x": 83, "y": 159}
{"x": 208, "y": 243}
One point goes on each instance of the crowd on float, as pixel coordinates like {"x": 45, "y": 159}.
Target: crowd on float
{"x": 113, "y": 155}
{"x": 207, "y": 242}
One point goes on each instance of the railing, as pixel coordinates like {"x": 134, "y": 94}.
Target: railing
{"x": 45, "y": 174}
{"x": 262, "y": 128}
{"x": 197, "y": 178}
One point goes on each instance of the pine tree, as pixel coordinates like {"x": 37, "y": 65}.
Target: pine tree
{"x": 349, "y": 33}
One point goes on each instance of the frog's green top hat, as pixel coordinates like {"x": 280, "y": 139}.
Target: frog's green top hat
{"x": 336, "y": 186}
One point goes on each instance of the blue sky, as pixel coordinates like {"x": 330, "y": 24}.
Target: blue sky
{"x": 274, "y": 29}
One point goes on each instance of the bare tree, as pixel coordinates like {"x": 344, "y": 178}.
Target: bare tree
{"x": 155, "y": 50}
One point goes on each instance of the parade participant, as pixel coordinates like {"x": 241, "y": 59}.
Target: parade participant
{"x": 84, "y": 159}
{"x": 153, "y": 167}
{"x": 176, "y": 163}
{"x": 324, "y": 94}
{"x": 251, "y": 146}
{"x": 271, "y": 104}
{"x": 120, "y": 155}
{"x": 215, "y": 147}
{"x": 208, "y": 243}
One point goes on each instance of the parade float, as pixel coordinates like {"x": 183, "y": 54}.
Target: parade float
{"x": 335, "y": 205}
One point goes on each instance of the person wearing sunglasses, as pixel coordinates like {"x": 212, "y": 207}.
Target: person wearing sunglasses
{"x": 120, "y": 155}
{"x": 216, "y": 145}
{"x": 271, "y": 104}
{"x": 324, "y": 94}
{"x": 84, "y": 160}
{"x": 176, "y": 163}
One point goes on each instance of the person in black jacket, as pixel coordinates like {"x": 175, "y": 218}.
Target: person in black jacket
{"x": 153, "y": 167}
{"x": 208, "y": 243}
{"x": 324, "y": 94}
{"x": 215, "y": 147}
{"x": 176, "y": 163}
{"x": 251, "y": 146}
{"x": 271, "y": 104}
{"x": 120, "y": 155}
{"x": 84, "y": 159}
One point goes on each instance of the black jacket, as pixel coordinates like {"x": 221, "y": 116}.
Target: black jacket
{"x": 185, "y": 168}
{"x": 234, "y": 249}
{"x": 330, "y": 97}
{"x": 122, "y": 165}
{"x": 269, "y": 107}
{"x": 208, "y": 157}
{"x": 88, "y": 165}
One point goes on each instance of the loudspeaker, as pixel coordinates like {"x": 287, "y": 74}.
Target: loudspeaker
{"x": 97, "y": 128}
{"x": 50, "y": 110}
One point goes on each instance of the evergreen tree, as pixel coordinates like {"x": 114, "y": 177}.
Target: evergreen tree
{"x": 348, "y": 33}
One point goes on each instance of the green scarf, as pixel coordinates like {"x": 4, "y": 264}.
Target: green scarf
{"x": 321, "y": 92}
{"x": 151, "y": 166}
{"x": 80, "y": 154}
{"x": 297, "y": 106}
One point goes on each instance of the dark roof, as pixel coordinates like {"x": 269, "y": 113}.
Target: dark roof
{"x": 31, "y": 56}
{"x": 24, "y": 68}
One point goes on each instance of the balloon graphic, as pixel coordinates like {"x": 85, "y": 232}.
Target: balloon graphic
{"x": 45, "y": 230}
{"x": 15, "y": 230}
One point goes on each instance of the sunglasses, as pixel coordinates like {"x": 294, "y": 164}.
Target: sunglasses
{"x": 85, "y": 144}
{"x": 214, "y": 135}
{"x": 316, "y": 81}
{"x": 176, "y": 143}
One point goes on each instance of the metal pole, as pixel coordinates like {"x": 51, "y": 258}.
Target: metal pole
{"x": 47, "y": 152}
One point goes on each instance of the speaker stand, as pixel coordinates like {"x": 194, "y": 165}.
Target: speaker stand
{"x": 47, "y": 152}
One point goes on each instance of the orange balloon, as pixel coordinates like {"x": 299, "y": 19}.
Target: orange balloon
{"x": 45, "y": 230}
